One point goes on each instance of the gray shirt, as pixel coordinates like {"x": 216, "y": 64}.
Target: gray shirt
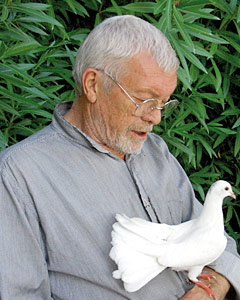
{"x": 59, "y": 193}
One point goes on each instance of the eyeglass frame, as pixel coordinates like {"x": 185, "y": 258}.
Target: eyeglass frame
{"x": 144, "y": 101}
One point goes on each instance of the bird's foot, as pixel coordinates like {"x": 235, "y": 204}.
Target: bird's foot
{"x": 206, "y": 288}
{"x": 207, "y": 277}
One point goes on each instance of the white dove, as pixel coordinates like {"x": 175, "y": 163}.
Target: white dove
{"x": 143, "y": 249}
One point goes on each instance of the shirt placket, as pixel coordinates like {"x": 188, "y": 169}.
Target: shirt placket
{"x": 144, "y": 197}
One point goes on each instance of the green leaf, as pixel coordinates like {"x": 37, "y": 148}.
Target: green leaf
{"x": 159, "y": 7}
{"x": 39, "y": 112}
{"x": 182, "y": 58}
{"x": 21, "y": 72}
{"x": 70, "y": 54}
{"x": 234, "y": 60}
{"x": 22, "y": 48}
{"x": 238, "y": 14}
{"x": 201, "y": 13}
{"x": 218, "y": 75}
{"x": 2, "y": 48}
{"x": 8, "y": 108}
{"x": 142, "y": 7}
{"x": 23, "y": 131}
{"x": 237, "y": 143}
{"x": 224, "y": 167}
{"x": 207, "y": 146}
{"x": 204, "y": 173}
{"x": 197, "y": 28}
{"x": 233, "y": 39}
{"x": 33, "y": 91}
{"x": 13, "y": 79}
{"x": 181, "y": 118}
{"x": 33, "y": 28}
{"x": 97, "y": 20}
{"x": 5, "y": 13}
{"x": 187, "y": 127}
{"x": 204, "y": 33}
{"x": 192, "y": 58}
{"x": 200, "y": 190}
{"x": 35, "y": 6}
{"x": 221, "y": 4}
{"x": 229, "y": 214}
{"x": 178, "y": 144}
{"x": 182, "y": 76}
{"x": 201, "y": 51}
{"x": 179, "y": 22}
{"x": 71, "y": 5}
{"x": 224, "y": 131}
{"x": 231, "y": 112}
{"x": 198, "y": 50}
{"x": 38, "y": 15}
{"x": 117, "y": 8}
{"x": 236, "y": 124}
{"x": 14, "y": 96}
{"x": 168, "y": 14}
{"x": 220, "y": 139}
{"x": 194, "y": 4}
{"x": 3, "y": 141}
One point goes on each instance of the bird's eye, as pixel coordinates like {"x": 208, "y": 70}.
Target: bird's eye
{"x": 226, "y": 188}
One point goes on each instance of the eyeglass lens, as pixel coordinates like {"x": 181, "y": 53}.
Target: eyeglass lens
{"x": 148, "y": 107}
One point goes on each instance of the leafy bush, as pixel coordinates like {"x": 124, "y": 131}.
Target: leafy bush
{"x": 38, "y": 43}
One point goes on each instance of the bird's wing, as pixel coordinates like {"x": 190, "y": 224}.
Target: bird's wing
{"x": 153, "y": 232}
{"x": 150, "y": 231}
{"x": 201, "y": 247}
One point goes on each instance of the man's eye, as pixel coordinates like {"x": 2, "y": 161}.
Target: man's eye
{"x": 138, "y": 100}
{"x": 144, "y": 99}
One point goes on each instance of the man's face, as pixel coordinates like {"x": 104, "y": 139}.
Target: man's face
{"x": 116, "y": 126}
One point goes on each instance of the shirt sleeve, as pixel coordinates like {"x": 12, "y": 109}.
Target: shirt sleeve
{"x": 23, "y": 267}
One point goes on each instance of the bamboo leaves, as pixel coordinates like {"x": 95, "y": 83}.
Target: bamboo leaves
{"x": 38, "y": 44}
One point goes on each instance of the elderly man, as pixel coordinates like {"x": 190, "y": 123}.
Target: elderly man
{"x": 61, "y": 188}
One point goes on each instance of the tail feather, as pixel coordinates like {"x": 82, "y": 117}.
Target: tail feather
{"x": 135, "y": 269}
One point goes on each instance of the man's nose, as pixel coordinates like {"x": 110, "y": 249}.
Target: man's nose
{"x": 154, "y": 117}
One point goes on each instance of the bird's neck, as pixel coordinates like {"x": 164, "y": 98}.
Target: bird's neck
{"x": 212, "y": 211}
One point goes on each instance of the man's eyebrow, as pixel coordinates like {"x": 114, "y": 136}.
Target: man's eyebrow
{"x": 147, "y": 91}
{"x": 149, "y": 94}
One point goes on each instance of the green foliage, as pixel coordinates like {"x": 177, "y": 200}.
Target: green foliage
{"x": 38, "y": 43}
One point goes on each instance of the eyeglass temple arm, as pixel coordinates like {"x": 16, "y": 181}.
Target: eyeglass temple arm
{"x": 114, "y": 80}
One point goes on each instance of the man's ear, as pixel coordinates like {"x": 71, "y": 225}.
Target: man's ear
{"x": 89, "y": 84}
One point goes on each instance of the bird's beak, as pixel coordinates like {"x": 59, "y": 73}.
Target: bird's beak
{"x": 233, "y": 195}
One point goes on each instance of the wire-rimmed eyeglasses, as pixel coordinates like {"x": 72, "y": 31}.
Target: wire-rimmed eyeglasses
{"x": 147, "y": 106}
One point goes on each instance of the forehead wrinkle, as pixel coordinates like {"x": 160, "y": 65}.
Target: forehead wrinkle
{"x": 145, "y": 76}
{"x": 157, "y": 91}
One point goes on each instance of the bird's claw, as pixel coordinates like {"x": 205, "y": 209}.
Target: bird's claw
{"x": 206, "y": 288}
{"x": 207, "y": 277}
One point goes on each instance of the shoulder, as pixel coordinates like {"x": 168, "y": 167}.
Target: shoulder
{"x": 21, "y": 152}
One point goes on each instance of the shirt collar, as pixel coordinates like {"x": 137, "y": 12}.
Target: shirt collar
{"x": 69, "y": 130}
{"x": 75, "y": 134}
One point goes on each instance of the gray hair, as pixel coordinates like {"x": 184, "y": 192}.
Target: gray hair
{"x": 117, "y": 39}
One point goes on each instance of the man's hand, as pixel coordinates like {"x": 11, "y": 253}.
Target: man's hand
{"x": 219, "y": 286}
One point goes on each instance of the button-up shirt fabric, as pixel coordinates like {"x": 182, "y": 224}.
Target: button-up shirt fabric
{"x": 59, "y": 193}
